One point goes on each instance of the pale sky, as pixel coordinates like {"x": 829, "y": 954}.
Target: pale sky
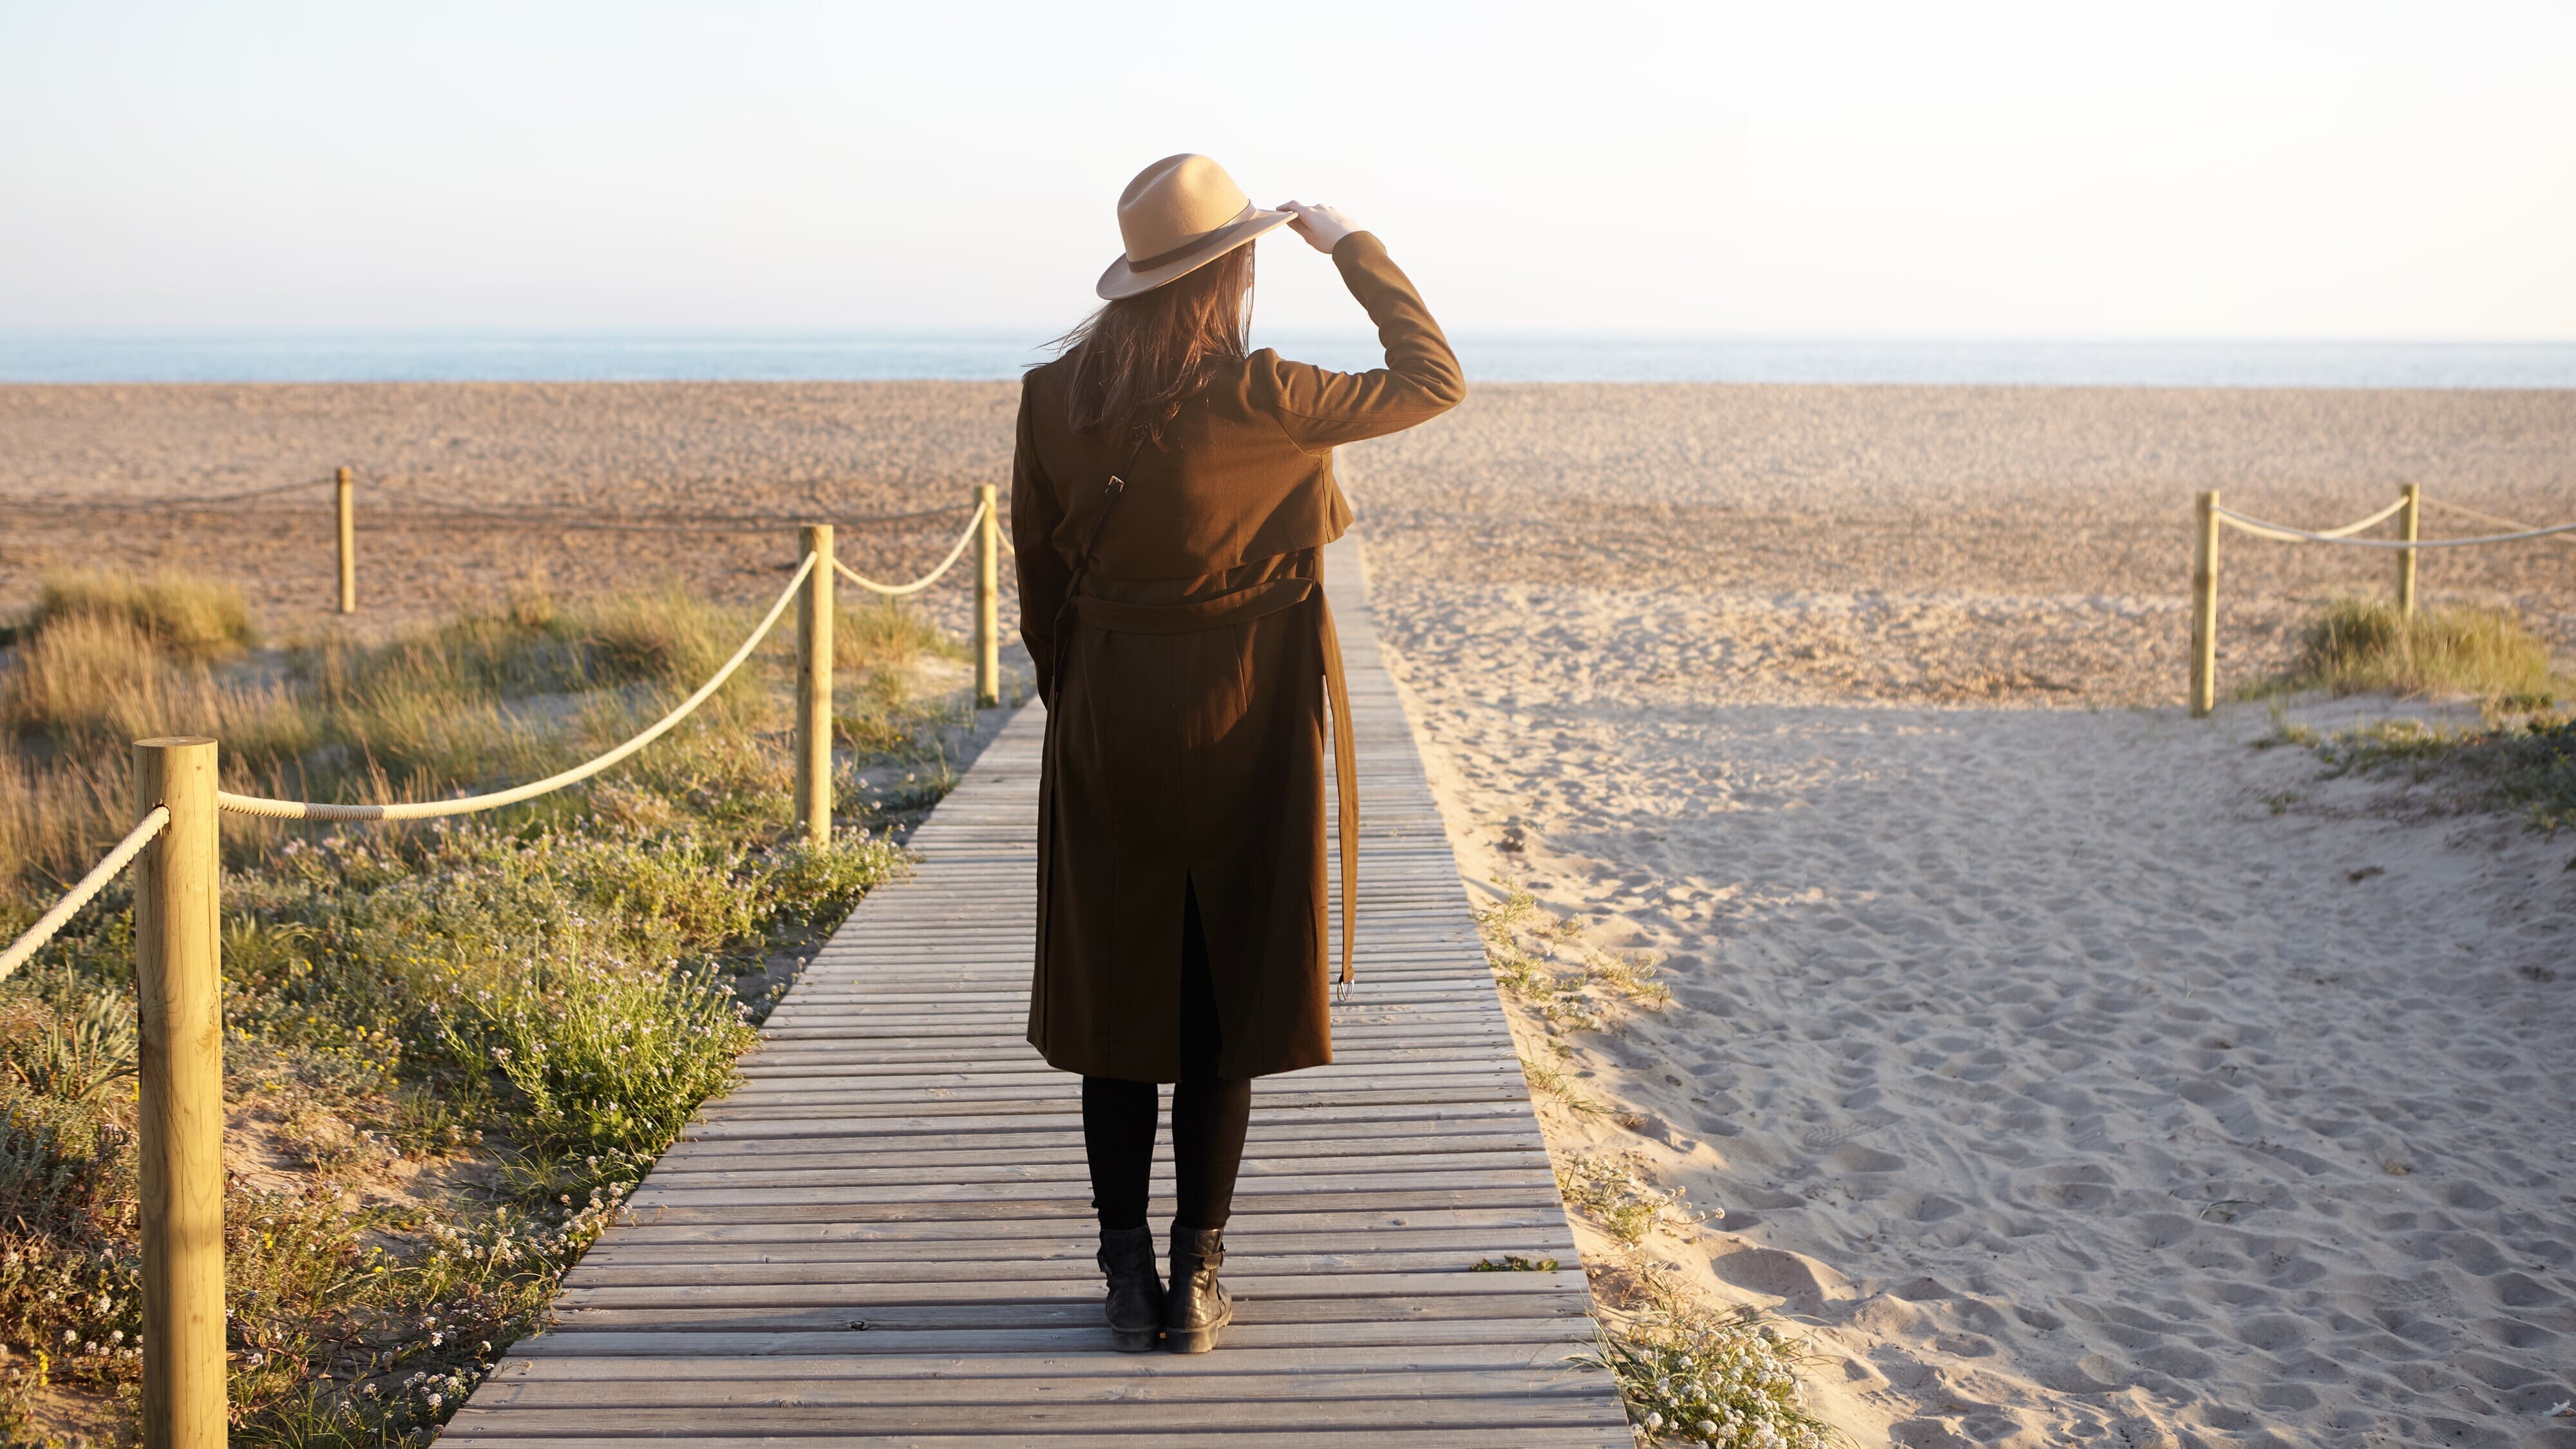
{"x": 2237, "y": 170}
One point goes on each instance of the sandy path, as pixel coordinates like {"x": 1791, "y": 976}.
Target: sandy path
{"x": 2071, "y": 1091}
{"x": 2078, "y": 1095}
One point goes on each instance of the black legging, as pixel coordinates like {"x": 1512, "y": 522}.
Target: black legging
{"x": 1209, "y": 1113}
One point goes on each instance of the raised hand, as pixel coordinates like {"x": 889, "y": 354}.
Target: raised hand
{"x": 1321, "y": 226}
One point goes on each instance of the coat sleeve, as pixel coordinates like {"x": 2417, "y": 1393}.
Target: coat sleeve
{"x": 1420, "y": 381}
{"x": 1044, "y": 575}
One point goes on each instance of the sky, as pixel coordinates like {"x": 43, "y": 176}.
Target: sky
{"x": 1957, "y": 170}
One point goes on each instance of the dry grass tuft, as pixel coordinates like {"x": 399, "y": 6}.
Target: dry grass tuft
{"x": 885, "y": 634}
{"x": 1523, "y": 945}
{"x": 188, "y": 616}
{"x": 2364, "y": 645}
{"x": 98, "y": 679}
{"x": 56, "y": 820}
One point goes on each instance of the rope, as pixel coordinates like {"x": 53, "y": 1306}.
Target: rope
{"x": 2261, "y": 529}
{"x": 90, "y": 885}
{"x": 678, "y": 523}
{"x": 468, "y": 804}
{"x": 684, "y": 523}
{"x": 2352, "y": 528}
{"x": 896, "y": 591}
{"x": 2481, "y": 513}
{"x": 124, "y": 504}
{"x": 2292, "y": 535}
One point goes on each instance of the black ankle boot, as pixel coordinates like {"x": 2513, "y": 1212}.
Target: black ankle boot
{"x": 1198, "y": 1310}
{"x": 1135, "y": 1304}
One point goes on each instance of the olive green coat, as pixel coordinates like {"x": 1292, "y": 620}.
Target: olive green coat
{"x": 1186, "y": 732}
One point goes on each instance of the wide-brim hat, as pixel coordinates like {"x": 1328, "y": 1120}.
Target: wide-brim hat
{"x": 1178, "y": 215}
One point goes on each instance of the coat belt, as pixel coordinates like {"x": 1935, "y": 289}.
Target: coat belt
{"x": 1242, "y": 606}
{"x": 1217, "y": 613}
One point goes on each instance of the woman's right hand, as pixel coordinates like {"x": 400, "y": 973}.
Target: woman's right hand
{"x": 1321, "y": 226}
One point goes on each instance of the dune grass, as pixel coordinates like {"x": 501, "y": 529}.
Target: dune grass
{"x": 451, "y": 1047}
{"x": 1694, "y": 1373}
{"x": 1542, "y": 959}
{"x": 2528, "y": 765}
{"x": 2522, "y": 758}
{"x": 2359, "y": 645}
{"x": 1690, "y": 1374}
{"x": 195, "y": 618}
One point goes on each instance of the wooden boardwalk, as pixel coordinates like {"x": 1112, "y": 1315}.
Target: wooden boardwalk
{"x": 883, "y": 1236}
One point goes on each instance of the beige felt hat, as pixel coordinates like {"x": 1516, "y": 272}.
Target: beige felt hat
{"x": 1178, "y": 215}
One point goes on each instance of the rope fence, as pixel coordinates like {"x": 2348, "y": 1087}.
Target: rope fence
{"x": 232, "y": 804}
{"x": 80, "y": 895}
{"x": 176, "y": 849}
{"x": 552, "y": 518}
{"x": 211, "y": 500}
{"x": 2211, "y": 517}
{"x": 2466, "y": 511}
{"x": 897, "y": 591}
{"x": 2286, "y": 534}
{"x": 547, "y": 515}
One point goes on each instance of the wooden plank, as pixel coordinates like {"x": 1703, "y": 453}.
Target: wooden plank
{"x": 1338, "y": 1362}
{"x": 1119, "y": 1416}
{"x": 882, "y": 1235}
{"x": 485, "y": 1432}
{"x": 790, "y": 1384}
{"x": 1573, "y": 1335}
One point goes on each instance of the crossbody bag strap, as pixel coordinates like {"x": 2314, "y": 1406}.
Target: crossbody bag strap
{"x": 1110, "y": 493}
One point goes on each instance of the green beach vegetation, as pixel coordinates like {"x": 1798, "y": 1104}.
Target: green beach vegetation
{"x": 2526, "y": 764}
{"x": 452, "y": 1048}
{"x": 1690, "y": 1373}
{"x": 2520, "y": 756}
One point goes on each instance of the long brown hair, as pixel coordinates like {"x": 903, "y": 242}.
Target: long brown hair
{"x": 1138, "y": 359}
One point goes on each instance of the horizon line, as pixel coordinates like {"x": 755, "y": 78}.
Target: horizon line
{"x": 1002, "y": 332}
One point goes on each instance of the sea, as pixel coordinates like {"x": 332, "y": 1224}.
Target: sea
{"x": 989, "y": 355}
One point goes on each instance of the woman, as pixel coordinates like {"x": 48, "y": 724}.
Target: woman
{"x": 1170, "y": 501}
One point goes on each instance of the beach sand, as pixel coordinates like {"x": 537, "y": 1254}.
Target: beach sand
{"x": 2074, "y": 1072}
{"x": 591, "y": 452}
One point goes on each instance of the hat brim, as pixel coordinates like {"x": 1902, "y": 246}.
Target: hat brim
{"x": 1123, "y": 280}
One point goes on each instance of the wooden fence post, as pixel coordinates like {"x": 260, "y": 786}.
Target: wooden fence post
{"x": 988, "y": 601}
{"x": 2204, "y": 608}
{"x": 176, "y": 940}
{"x": 2407, "y": 520}
{"x": 814, "y": 690}
{"x": 348, "y": 546}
